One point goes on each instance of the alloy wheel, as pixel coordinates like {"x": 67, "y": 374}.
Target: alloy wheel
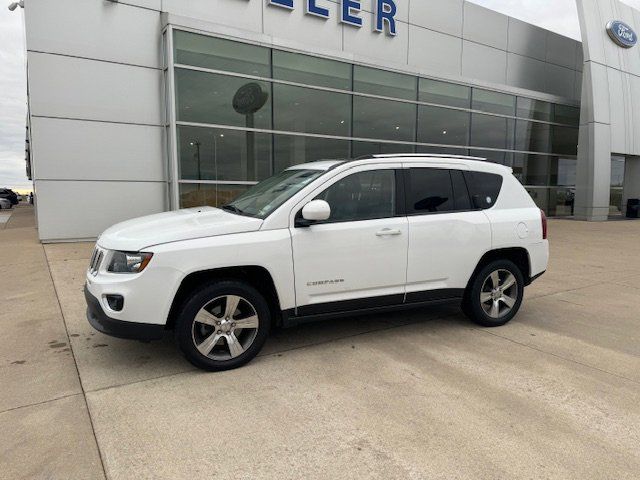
{"x": 225, "y": 327}
{"x": 499, "y": 293}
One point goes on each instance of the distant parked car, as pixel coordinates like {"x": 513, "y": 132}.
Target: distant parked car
{"x": 9, "y": 195}
{"x": 5, "y": 204}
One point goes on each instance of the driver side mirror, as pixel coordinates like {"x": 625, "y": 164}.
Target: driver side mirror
{"x": 315, "y": 211}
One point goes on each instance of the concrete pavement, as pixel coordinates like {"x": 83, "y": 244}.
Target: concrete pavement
{"x": 419, "y": 395}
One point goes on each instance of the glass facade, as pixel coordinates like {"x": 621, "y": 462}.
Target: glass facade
{"x": 244, "y": 112}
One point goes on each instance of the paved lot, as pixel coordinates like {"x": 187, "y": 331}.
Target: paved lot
{"x": 419, "y": 395}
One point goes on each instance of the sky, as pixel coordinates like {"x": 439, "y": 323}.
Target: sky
{"x": 557, "y": 15}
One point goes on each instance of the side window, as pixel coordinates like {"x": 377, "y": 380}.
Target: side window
{"x": 429, "y": 190}
{"x": 484, "y": 188}
{"x": 362, "y": 196}
{"x": 460, "y": 193}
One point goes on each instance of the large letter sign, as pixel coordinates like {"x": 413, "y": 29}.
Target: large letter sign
{"x": 350, "y": 10}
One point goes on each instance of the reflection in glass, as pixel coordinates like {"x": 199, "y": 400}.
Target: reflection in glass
{"x": 617, "y": 185}
{"x": 200, "y": 195}
{"x": 534, "y": 109}
{"x": 298, "y": 68}
{"x": 565, "y": 140}
{"x": 298, "y": 109}
{"x": 493, "y": 102}
{"x": 219, "y": 154}
{"x": 533, "y": 137}
{"x": 443, "y": 126}
{"x": 293, "y": 150}
{"x": 364, "y": 149}
{"x": 567, "y": 115}
{"x": 384, "y": 83}
{"x": 219, "y": 99}
{"x": 220, "y": 54}
{"x": 442, "y": 93}
{"x": 384, "y": 119}
{"x": 491, "y": 132}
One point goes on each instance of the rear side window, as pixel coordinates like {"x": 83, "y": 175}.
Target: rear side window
{"x": 460, "y": 192}
{"x": 484, "y": 188}
{"x": 429, "y": 190}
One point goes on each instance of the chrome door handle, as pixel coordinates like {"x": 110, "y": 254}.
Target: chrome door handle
{"x": 388, "y": 232}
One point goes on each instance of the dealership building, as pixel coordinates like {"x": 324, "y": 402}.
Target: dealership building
{"x": 142, "y": 106}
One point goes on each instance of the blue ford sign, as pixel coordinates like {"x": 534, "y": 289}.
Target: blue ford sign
{"x": 349, "y": 12}
{"x": 622, "y": 34}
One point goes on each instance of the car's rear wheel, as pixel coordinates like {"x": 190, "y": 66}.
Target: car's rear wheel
{"x": 223, "y": 325}
{"x": 495, "y": 294}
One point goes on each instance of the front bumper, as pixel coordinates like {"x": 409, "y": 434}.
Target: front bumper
{"x": 118, "y": 328}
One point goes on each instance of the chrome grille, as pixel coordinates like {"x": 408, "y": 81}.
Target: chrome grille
{"x": 96, "y": 260}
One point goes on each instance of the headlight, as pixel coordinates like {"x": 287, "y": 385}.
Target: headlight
{"x": 129, "y": 262}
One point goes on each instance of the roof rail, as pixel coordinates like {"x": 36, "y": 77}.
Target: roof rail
{"x": 421, "y": 155}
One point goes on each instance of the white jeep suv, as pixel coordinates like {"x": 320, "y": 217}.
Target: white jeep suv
{"x": 321, "y": 239}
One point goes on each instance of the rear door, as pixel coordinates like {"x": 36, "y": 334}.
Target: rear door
{"x": 447, "y": 234}
{"x": 358, "y": 258}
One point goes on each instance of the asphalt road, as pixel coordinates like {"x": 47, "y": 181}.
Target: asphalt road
{"x": 415, "y": 395}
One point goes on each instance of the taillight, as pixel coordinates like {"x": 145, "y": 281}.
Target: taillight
{"x": 544, "y": 224}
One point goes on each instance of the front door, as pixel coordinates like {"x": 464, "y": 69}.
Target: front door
{"x": 358, "y": 258}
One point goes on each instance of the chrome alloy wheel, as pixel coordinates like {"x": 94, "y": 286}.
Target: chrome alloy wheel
{"x": 225, "y": 327}
{"x": 499, "y": 293}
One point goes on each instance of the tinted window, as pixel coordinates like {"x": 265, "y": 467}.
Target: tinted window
{"x": 429, "y": 190}
{"x": 384, "y": 119}
{"x": 461, "y": 199}
{"x": 311, "y": 70}
{"x": 432, "y": 91}
{"x": 362, "y": 196}
{"x": 484, "y": 188}
{"x": 387, "y": 84}
{"x": 494, "y": 102}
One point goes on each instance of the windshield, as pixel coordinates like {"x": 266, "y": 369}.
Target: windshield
{"x": 262, "y": 199}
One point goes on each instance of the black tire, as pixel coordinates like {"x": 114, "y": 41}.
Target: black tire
{"x": 191, "y": 334}
{"x": 484, "y": 313}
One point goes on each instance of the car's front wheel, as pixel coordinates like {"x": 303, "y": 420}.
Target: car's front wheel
{"x": 495, "y": 294}
{"x": 223, "y": 325}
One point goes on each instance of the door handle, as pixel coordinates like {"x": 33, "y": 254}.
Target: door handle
{"x": 388, "y": 232}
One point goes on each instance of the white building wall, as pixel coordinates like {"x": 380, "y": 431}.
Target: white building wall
{"x": 97, "y": 86}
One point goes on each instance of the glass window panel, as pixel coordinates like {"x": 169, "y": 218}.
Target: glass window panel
{"x": 533, "y": 137}
{"x": 383, "y": 119}
{"x": 363, "y": 149}
{"x": 484, "y": 188}
{"x": 563, "y": 171}
{"x": 443, "y": 126}
{"x": 298, "y": 109}
{"x": 362, "y": 196}
{"x": 429, "y": 191}
{"x": 565, "y": 140}
{"x": 461, "y": 198}
{"x": 503, "y": 158}
{"x": 220, "y": 54}
{"x": 493, "y": 102}
{"x": 388, "y": 84}
{"x": 311, "y": 70}
{"x": 292, "y": 150}
{"x": 443, "y": 93}
{"x": 534, "y": 109}
{"x": 228, "y": 155}
{"x": 200, "y": 195}
{"x": 442, "y": 150}
{"x": 491, "y": 132}
{"x": 567, "y": 115}
{"x": 532, "y": 170}
{"x": 209, "y": 98}
{"x": 617, "y": 171}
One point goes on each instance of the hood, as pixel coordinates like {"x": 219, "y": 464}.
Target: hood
{"x": 139, "y": 233}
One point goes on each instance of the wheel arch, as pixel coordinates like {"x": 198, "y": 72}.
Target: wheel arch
{"x": 256, "y": 276}
{"x": 518, "y": 255}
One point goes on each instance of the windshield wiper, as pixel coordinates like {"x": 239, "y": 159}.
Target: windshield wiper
{"x": 232, "y": 208}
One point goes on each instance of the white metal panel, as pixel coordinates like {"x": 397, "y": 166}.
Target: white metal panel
{"x": 617, "y": 102}
{"x": 435, "y": 51}
{"x": 561, "y": 50}
{"x": 525, "y": 72}
{"x": 364, "y": 42}
{"x": 69, "y": 87}
{"x": 306, "y": 29}
{"x": 445, "y": 17}
{"x": 559, "y": 80}
{"x": 238, "y": 13}
{"x": 526, "y": 39}
{"x": 485, "y": 26}
{"x": 484, "y": 63}
{"x": 105, "y": 31}
{"x": 80, "y": 209}
{"x": 80, "y": 150}
{"x": 151, "y": 4}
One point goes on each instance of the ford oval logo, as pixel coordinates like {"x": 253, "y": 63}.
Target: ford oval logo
{"x": 622, "y": 34}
